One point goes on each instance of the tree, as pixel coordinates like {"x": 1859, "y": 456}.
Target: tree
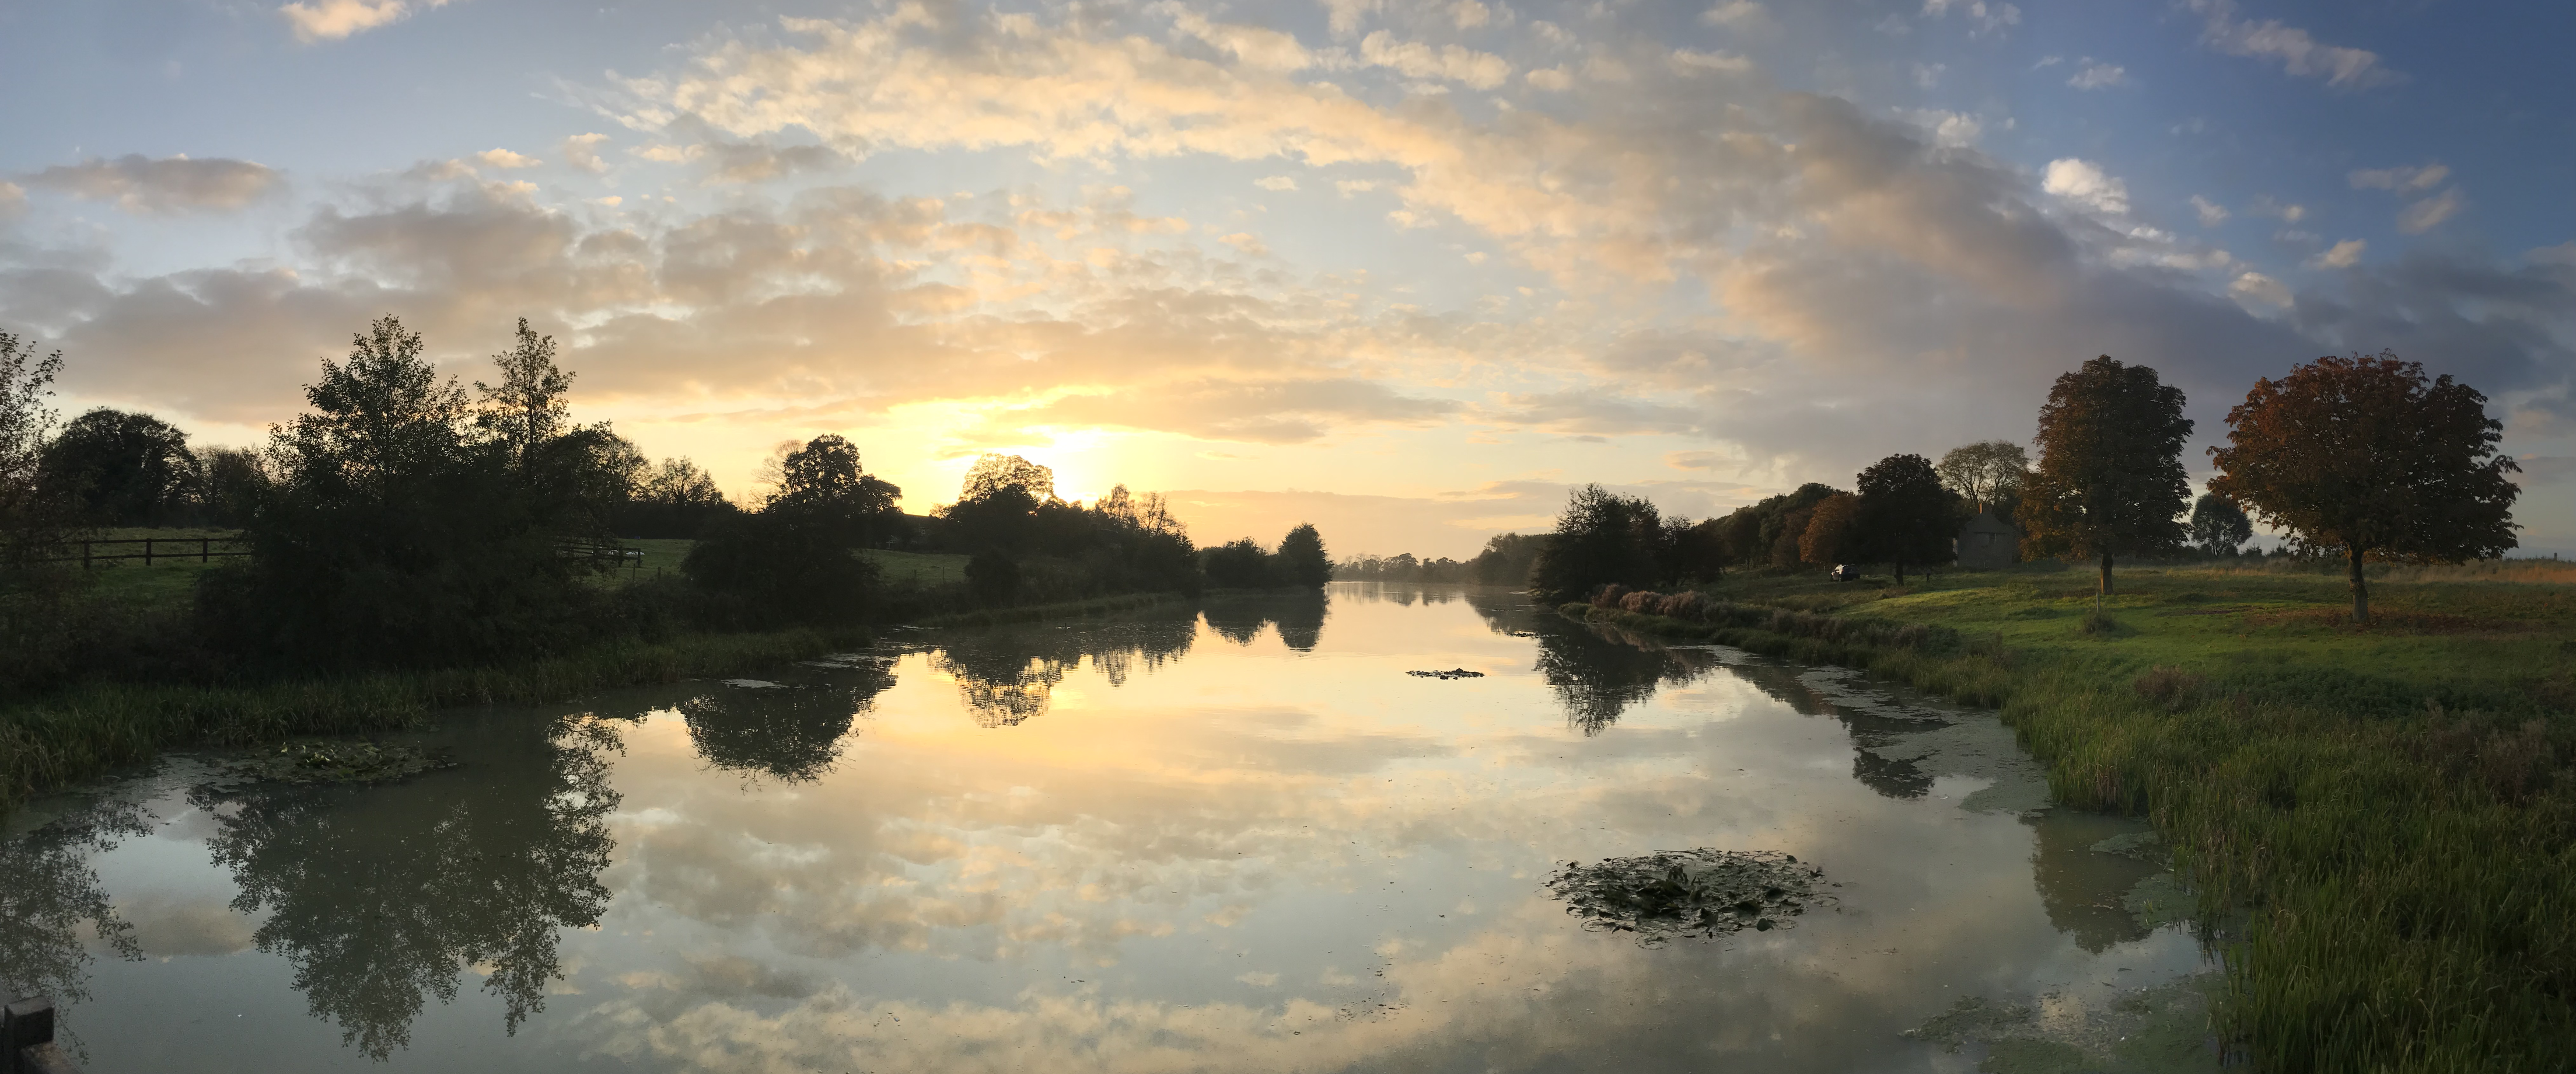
{"x": 823, "y": 479}
{"x": 1985, "y": 472}
{"x": 2110, "y": 480}
{"x": 2366, "y": 455}
{"x": 1507, "y": 558}
{"x": 1905, "y": 514}
{"x": 672, "y": 499}
{"x": 1301, "y": 558}
{"x": 1601, "y": 538}
{"x": 998, "y": 504}
{"x": 1240, "y": 564}
{"x": 26, "y": 516}
{"x": 527, "y": 408}
{"x": 230, "y": 484}
{"x": 120, "y": 468}
{"x": 1833, "y": 531}
{"x": 2218, "y": 526}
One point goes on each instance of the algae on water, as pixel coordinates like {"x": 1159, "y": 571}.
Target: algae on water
{"x": 2160, "y": 1030}
{"x": 1700, "y": 892}
{"x": 332, "y": 761}
{"x": 2159, "y": 900}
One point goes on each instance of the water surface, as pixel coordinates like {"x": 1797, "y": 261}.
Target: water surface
{"x": 1230, "y": 837}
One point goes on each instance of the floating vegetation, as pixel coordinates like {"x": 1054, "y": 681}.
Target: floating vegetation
{"x": 2143, "y": 846}
{"x": 1705, "y": 893}
{"x": 2159, "y": 900}
{"x": 1452, "y": 673}
{"x": 754, "y": 684}
{"x": 338, "y": 762}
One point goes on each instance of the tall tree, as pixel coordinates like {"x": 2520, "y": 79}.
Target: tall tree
{"x": 121, "y": 468}
{"x": 382, "y": 421}
{"x": 528, "y": 408}
{"x": 2110, "y": 480}
{"x": 26, "y": 381}
{"x": 1833, "y": 531}
{"x": 1302, "y": 560}
{"x": 824, "y": 479}
{"x": 998, "y": 503}
{"x": 2218, "y": 526}
{"x": 1905, "y": 514}
{"x": 1602, "y": 537}
{"x": 2367, "y": 455}
{"x": 1985, "y": 472}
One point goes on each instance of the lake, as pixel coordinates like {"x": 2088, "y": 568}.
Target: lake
{"x": 1232, "y": 835}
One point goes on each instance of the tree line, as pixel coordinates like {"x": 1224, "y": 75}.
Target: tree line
{"x": 2365, "y": 457}
{"x": 403, "y": 519}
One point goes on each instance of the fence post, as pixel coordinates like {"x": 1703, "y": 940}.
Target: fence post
{"x": 147, "y": 551}
{"x": 205, "y": 546}
{"x": 84, "y": 555}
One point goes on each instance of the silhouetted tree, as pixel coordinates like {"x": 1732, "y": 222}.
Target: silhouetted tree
{"x": 2367, "y": 455}
{"x": 1833, "y": 534}
{"x": 2218, "y": 526}
{"x": 1601, "y": 538}
{"x": 1905, "y": 514}
{"x": 28, "y": 518}
{"x": 1240, "y": 564}
{"x": 527, "y": 410}
{"x": 121, "y": 469}
{"x": 672, "y": 499}
{"x": 992, "y": 576}
{"x": 2110, "y": 480}
{"x": 1985, "y": 473}
{"x": 231, "y": 482}
{"x": 1507, "y": 558}
{"x": 998, "y": 504}
{"x": 1301, "y": 559}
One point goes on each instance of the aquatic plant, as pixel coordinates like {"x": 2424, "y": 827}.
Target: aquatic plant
{"x": 1700, "y": 892}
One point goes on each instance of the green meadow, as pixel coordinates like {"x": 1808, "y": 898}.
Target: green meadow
{"x": 2377, "y": 818}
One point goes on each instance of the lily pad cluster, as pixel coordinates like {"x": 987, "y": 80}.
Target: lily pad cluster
{"x": 1452, "y": 673}
{"x": 339, "y": 762}
{"x": 1702, "y": 892}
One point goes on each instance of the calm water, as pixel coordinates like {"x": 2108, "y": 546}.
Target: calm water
{"x": 1231, "y": 838}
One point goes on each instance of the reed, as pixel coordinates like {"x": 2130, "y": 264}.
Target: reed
{"x": 2388, "y": 807}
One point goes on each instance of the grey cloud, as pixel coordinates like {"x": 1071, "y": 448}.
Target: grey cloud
{"x": 144, "y": 186}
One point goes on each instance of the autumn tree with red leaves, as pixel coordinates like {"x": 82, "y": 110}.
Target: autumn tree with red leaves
{"x": 2366, "y": 455}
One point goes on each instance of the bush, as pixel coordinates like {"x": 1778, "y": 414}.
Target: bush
{"x": 780, "y": 567}
{"x": 992, "y": 576}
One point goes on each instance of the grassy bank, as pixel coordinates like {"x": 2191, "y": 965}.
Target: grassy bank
{"x": 2390, "y": 804}
{"x": 82, "y": 733}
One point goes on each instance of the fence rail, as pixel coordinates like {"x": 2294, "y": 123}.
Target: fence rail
{"x": 209, "y": 549}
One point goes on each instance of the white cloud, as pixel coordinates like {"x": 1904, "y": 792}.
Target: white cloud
{"x": 1256, "y": 46}
{"x": 2098, "y": 75}
{"x": 1550, "y": 78}
{"x": 2256, "y": 287}
{"x": 1986, "y": 18}
{"x": 2345, "y": 254}
{"x": 2286, "y": 212}
{"x": 1481, "y": 70}
{"x": 332, "y": 20}
{"x": 504, "y": 159}
{"x": 2211, "y": 213}
{"x": 2424, "y": 215}
{"x": 145, "y": 186}
{"x": 1246, "y": 242}
{"x": 1735, "y": 14}
{"x": 1689, "y": 62}
{"x": 1928, "y": 75}
{"x": 1349, "y": 187}
{"x": 2403, "y": 180}
{"x": 1344, "y": 16}
{"x": 2299, "y": 53}
{"x": 1468, "y": 14}
{"x": 1276, "y": 182}
{"x": 13, "y": 200}
{"x": 582, "y": 151}
{"x": 1955, "y": 130}
{"x": 2085, "y": 183}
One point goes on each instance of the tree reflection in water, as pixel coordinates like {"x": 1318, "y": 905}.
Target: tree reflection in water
{"x": 1889, "y": 777}
{"x": 1598, "y": 672}
{"x": 1007, "y": 676}
{"x": 49, "y": 890}
{"x": 379, "y": 897}
{"x": 791, "y": 734}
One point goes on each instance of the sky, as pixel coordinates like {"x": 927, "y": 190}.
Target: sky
{"x": 1406, "y": 270}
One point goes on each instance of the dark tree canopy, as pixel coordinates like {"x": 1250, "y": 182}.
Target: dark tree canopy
{"x": 26, "y": 382}
{"x": 823, "y": 481}
{"x": 1986, "y": 473}
{"x": 122, "y": 469}
{"x": 1601, "y": 538}
{"x": 528, "y": 408}
{"x": 2367, "y": 455}
{"x": 1506, "y": 559}
{"x": 2110, "y": 480}
{"x": 997, "y": 507}
{"x": 1833, "y": 533}
{"x": 1905, "y": 514}
{"x": 1302, "y": 559}
{"x": 2218, "y": 526}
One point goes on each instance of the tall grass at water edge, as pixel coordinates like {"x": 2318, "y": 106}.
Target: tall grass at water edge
{"x": 86, "y": 731}
{"x": 2388, "y": 806}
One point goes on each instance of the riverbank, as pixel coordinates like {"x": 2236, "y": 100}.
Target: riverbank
{"x": 2389, "y": 804}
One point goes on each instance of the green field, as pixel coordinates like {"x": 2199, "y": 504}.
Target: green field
{"x": 2378, "y": 818}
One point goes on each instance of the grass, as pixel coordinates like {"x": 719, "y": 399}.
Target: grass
{"x": 2390, "y": 806}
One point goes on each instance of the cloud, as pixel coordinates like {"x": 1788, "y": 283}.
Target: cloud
{"x": 2424, "y": 215}
{"x": 2344, "y": 254}
{"x": 2256, "y": 287}
{"x": 2211, "y": 213}
{"x": 1553, "y": 79}
{"x": 2299, "y": 53}
{"x": 1348, "y": 187}
{"x": 332, "y": 20}
{"x": 167, "y": 186}
{"x": 1469, "y": 14}
{"x": 2286, "y": 212}
{"x": 2403, "y": 180}
{"x": 13, "y": 201}
{"x": 1480, "y": 70}
{"x": 1736, "y": 14}
{"x": 1276, "y": 182}
{"x": 2085, "y": 183}
{"x": 504, "y": 159}
{"x": 582, "y": 151}
{"x": 1985, "y": 18}
{"x": 2096, "y": 75}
